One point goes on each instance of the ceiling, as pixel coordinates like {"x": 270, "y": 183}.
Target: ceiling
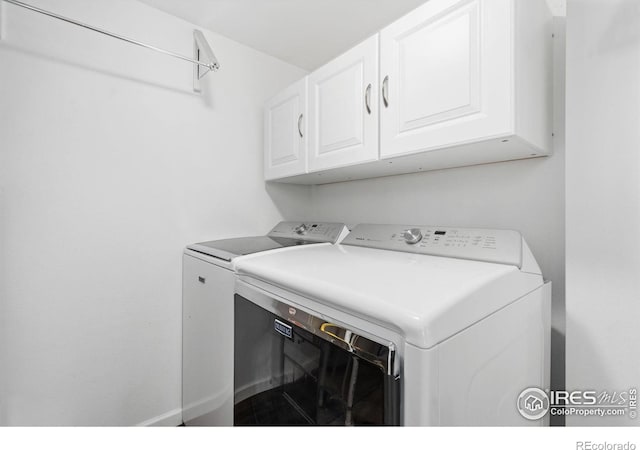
{"x": 305, "y": 33}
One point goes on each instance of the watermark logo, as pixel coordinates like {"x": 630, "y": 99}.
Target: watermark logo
{"x": 590, "y": 445}
{"x": 533, "y": 403}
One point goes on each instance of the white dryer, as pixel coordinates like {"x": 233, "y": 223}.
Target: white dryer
{"x": 207, "y": 313}
{"x": 397, "y": 325}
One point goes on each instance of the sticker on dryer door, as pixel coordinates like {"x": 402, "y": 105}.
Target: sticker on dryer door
{"x": 283, "y": 328}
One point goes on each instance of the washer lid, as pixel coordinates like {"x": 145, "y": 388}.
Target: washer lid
{"x": 227, "y": 249}
{"x": 425, "y": 298}
{"x": 284, "y": 234}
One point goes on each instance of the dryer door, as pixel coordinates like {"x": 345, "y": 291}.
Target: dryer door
{"x": 292, "y": 368}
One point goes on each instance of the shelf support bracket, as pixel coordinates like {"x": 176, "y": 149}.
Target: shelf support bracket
{"x": 203, "y": 53}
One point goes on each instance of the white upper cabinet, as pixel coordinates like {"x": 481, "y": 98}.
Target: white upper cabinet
{"x": 452, "y": 83}
{"x": 343, "y": 109}
{"x": 285, "y": 140}
{"x": 461, "y": 71}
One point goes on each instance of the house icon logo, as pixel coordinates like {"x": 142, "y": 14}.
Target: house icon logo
{"x": 533, "y": 403}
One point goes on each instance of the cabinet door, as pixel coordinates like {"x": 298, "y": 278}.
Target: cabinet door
{"x": 285, "y": 141}
{"x": 446, "y": 71}
{"x": 343, "y": 109}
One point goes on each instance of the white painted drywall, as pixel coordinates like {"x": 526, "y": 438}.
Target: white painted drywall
{"x": 603, "y": 199}
{"x": 526, "y": 195}
{"x": 109, "y": 165}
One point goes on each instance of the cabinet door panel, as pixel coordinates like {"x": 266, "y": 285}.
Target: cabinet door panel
{"x": 449, "y": 75}
{"x": 338, "y": 96}
{"x": 343, "y": 109}
{"x": 285, "y": 141}
{"x": 445, "y": 75}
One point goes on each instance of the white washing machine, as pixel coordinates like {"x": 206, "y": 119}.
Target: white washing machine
{"x": 207, "y": 314}
{"x": 397, "y": 325}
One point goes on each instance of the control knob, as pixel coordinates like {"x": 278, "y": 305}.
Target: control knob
{"x": 301, "y": 229}
{"x": 412, "y": 235}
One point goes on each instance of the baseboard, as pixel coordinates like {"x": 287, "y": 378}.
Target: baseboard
{"x": 172, "y": 418}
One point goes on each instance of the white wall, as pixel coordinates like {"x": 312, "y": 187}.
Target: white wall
{"x": 603, "y": 198}
{"x": 526, "y": 195}
{"x": 109, "y": 165}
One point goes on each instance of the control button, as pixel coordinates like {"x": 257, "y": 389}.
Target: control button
{"x": 301, "y": 229}
{"x": 412, "y": 235}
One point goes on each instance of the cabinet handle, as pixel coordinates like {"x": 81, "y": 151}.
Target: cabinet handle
{"x": 367, "y": 98}
{"x": 385, "y": 95}
{"x": 299, "y": 123}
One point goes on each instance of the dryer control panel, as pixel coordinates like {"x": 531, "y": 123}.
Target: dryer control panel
{"x": 310, "y": 231}
{"x": 497, "y": 246}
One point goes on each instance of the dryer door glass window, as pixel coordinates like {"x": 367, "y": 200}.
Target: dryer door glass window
{"x": 290, "y": 371}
